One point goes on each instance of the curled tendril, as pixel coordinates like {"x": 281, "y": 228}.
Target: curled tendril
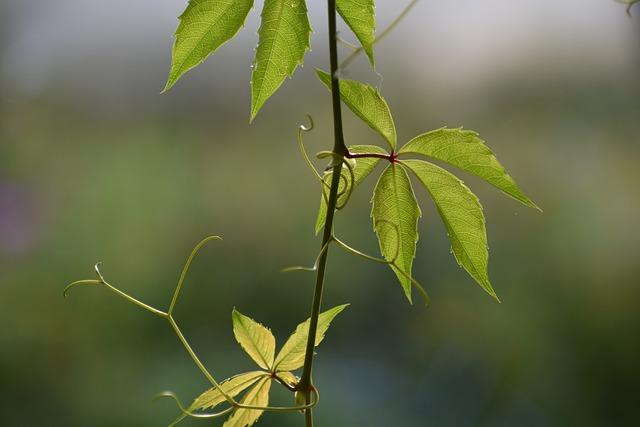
{"x": 301, "y": 130}
{"x": 348, "y": 185}
{"x": 233, "y": 404}
{"x": 423, "y": 293}
{"x": 315, "y": 264}
{"x": 326, "y": 186}
{"x": 72, "y": 285}
{"x": 349, "y": 188}
{"x": 186, "y": 412}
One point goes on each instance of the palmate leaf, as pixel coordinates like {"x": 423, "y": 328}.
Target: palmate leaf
{"x": 465, "y": 149}
{"x": 232, "y": 386}
{"x": 462, "y": 215}
{"x": 204, "y": 26}
{"x": 257, "y": 396}
{"x": 395, "y": 214}
{"x": 367, "y": 103}
{"x": 255, "y": 339}
{"x": 291, "y": 356}
{"x": 360, "y": 16}
{"x": 283, "y": 40}
{"x": 362, "y": 167}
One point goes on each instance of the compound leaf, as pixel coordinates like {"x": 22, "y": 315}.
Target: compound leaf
{"x": 291, "y": 356}
{"x": 465, "y": 149}
{"x": 232, "y": 386}
{"x": 360, "y": 16}
{"x": 257, "y": 396}
{"x": 255, "y": 339}
{"x": 367, "y": 103}
{"x": 283, "y": 40}
{"x": 204, "y": 26}
{"x": 395, "y": 214}
{"x": 462, "y": 215}
{"x": 362, "y": 167}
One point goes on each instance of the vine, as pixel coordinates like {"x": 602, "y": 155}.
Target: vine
{"x": 284, "y": 38}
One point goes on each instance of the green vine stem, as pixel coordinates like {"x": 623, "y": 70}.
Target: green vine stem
{"x": 340, "y": 149}
{"x": 168, "y": 316}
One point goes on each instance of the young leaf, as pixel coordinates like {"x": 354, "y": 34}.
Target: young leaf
{"x": 288, "y": 378}
{"x": 291, "y": 356}
{"x": 284, "y": 39}
{"x": 462, "y": 215}
{"x": 395, "y": 214}
{"x": 465, "y": 149}
{"x": 367, "y": 103}
{"x": 360, "y": 17}
{"x": 204, "y": 26}
{"x": 363, "y": 167}
{"x": 232, "y": 386}
{"x": 257, "y": 396}
{"x": 255, "y": 339}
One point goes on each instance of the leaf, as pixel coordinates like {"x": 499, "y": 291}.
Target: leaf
{"x": 255, "y": 339}
{"x": 362, "y": 168}
{"x": 465, "y": 149}
{"x": 257, "y": 396}
{"x": 289, "y": 378}
{"x": 395, "y": 214}
{"x": 462, "y": 215}
{"x": 360, "y": 17}
{"x": 204, "y": 26}
{"x": 232, "y": 386}
{"x": 367, "y": 103}
{"x": 283, "y": 40}
{"x": 291, "y": 356}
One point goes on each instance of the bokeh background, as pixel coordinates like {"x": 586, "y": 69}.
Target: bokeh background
{"x": 96, "y": 165}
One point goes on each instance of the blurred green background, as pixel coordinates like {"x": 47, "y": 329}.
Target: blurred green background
{"x": 96, "y": 165}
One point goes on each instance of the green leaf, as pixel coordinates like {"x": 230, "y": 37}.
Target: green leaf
{"x": 465, "y": 149}
{"x": 362, "y": 167}
{"x": 367, "y": 103}
{"x": 289, "y": 378}
{"x": 204, "y": 26}
{"x": 232, "y": 386}
{"x": 360, "y": 17}
{"x": 395, "y": 214}
{"x": 462, "y": 215}
{"x": 255, "y": 339}
{"x": 291, "y": 356}
{"x": 257, "y": 396}
{"x": 284, "y": 39}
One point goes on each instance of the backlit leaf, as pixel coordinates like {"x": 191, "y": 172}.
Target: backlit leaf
{"x": 362, "y": 167}
{"x": 204, "y": 26}
{"x": 255, "y": 339}
{"x": 462, "y": 215}
{"x": 283, "y": 41}
{"x": 232, "y": 386}
{"x": 367, "y": 103}
{"x": 257, "y": 396}
{"x": 465, "y": 149}
{"x": 360, "y": 17}
{"x": 291, "y": 356}
{"x": 395, "y": 214}
{"x": 289, "y": 378}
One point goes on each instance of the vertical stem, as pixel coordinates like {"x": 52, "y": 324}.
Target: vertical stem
{"x": 340, "y": 149}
